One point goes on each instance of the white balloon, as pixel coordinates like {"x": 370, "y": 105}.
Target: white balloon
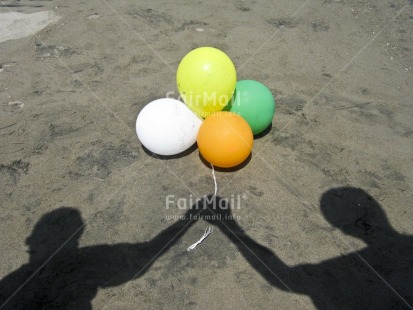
{"x": 167, "y": 126}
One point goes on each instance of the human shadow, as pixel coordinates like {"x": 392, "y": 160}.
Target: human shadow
{"x": 379, "y": 276}
{"x": 60, "y": 275}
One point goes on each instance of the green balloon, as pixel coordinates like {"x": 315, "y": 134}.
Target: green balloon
{"x": 255, "y": 103}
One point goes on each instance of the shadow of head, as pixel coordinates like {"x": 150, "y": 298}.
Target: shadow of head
{"x": 58, "y": 229}
{"x": 354, "y": 212}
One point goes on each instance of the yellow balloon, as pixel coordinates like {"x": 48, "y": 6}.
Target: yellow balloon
{"x": 206, "y": 79}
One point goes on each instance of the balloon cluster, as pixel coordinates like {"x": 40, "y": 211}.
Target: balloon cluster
{"x": 221, "y": 114}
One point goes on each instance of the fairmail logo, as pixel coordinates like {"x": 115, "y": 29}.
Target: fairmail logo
{"x": 186, "y": 203}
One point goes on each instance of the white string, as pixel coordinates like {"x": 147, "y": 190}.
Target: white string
{"x": 207, "y": 232}
{"x": 209, "y": 229}
{"x": 215, "y": 180}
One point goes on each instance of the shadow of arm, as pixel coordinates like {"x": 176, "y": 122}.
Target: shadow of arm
{"x": 126, "y": 262}
{"x": 168, "y": 237}
{"x": 263, "y": 260}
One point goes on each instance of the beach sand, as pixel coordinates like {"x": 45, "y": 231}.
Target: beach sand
{"x": 341, "y": 74}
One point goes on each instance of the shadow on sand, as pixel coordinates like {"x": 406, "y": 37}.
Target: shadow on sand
{"x": 60, "y": 275}
{"x": 379, "y": 276}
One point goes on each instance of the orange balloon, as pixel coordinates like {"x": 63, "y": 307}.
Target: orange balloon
{"x": 225, "y": 139}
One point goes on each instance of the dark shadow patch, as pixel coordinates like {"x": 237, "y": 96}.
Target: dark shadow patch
{"x": 19, "y": 6}
{"x": 152, "y": 17}
{"x": 320, "y": 26}
{"x": 392, "y": 174}
{"x": 255, "y": 191}
{"x": 21, "y": 165}
{"x": 80, "y": 67}
{"x": 100, "y": 164}
{"x": 59, "y": 130}
{"x": 193, "y": 24}
{"x": 72, "y": 275}
{"x": 263, "y": 133}
{"x": 44, "y": 51}
{"x": 365, "y": 91}
{"x": 327, "y": 75}
{"x": 242, "y": 7}
{"x": 345, "y": 281}
{"x": 290, "y": 105}
{"x": 283, "y": 22}
{"x": 8, "y": 175}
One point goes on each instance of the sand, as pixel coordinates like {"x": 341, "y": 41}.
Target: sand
{"x": 16, "y": 25}
{"x": 341, "y": 75}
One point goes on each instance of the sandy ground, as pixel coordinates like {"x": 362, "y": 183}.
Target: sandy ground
{"x": 341, "y": 73}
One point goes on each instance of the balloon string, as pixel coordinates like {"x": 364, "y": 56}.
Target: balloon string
{"x": 209, "y": 229}
{"x": 215, "y": 180}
